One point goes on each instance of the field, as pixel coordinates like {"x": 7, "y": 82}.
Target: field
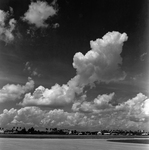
{"x": 63, "y": 143}
{"x": 43, "y": 136}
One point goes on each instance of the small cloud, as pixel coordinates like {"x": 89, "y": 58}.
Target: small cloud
{"x": 27, "y": 66}
{"x": 136, "y": 77}
{"x": 32, "y": 71}
{"x": 54, "y": 2}
{"x": 6, "y": 34}
{"x": 38, "y": 13}
{"x": 56, "y": 25}
{"x": 143, "y": 56}
{"x": 35, "y": 73}
{"x": 12, "y": 92}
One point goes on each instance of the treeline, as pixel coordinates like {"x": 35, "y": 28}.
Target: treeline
{"x": 32, "y": 130}
{"x": 124, "y": 132}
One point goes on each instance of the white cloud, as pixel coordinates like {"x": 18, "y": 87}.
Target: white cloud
{"x": 3, "y": 16}
{"x": 143, "y": 56}
{"x": 99, "y": 64}
{"x": 29, "y": 116}
{"x": 6, "y": 34}
{"x": 34, "y": 116}
{"x": 135, "y": 109}
{"x": 55, "y": 97}
{"x": 7, "y": 116}
{"x": 146, "y": 107}
{"x": 102, "y": 62}
{"x": 101, "y": 103}
{"x": 12, "y": 92}
{"x": 38, "y": 13}
{"x": 132, "y": 114}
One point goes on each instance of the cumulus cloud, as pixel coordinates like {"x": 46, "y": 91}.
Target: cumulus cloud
{"x": 102, "y": 102}
{"x": 34, "y": 116}
{"x": 12, "y": 92}
{"x": 101, "y": 63}
{"x": 38, "y": 13}
{"x": 132, "y": 114}
{"x": 135, "y": 109}
{"x": 57, "y": 96}
{"x": 28, "y": 116}
{"x": 6, "y": 30}
{"x": 3, "y": 16}
{"x": 7, "y": 116}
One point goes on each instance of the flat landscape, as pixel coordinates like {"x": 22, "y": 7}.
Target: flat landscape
{"x": 52, "y": 136}
{"x": 67, "y": 144}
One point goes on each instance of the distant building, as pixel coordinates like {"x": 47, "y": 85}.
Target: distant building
{"x": 106, "y": 133}
{"x": 145, "y": 133}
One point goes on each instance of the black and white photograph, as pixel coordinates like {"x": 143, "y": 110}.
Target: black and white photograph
{"x": 74, "y": 75}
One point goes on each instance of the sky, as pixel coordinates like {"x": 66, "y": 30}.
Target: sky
{"x": 79, "y": 65}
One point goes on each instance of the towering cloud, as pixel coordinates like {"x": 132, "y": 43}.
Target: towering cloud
{"x": 11, "y": 92}
{"x": 38, "y": 13}
{"x": 6, "y": 29}
{"x": 101, "y": 63}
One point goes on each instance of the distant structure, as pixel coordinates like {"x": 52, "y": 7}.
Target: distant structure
{"x": 32, "y": 130}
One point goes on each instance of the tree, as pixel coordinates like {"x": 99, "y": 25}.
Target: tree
{"x": 23, "y": 131}
{"x": 31, "y": 130}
